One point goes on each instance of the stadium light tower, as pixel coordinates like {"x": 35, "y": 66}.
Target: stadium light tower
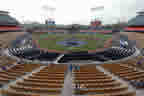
{"x": 48, "y": 12}
{"x": 95, "y": 9}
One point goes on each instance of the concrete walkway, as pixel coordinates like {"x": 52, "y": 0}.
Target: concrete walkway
{"x": 67, "y": 90}
{"x": 140, "y": 92}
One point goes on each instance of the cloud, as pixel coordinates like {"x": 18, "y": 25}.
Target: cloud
{"x": 119, "y": 9}
{"x": 69, "y": 11}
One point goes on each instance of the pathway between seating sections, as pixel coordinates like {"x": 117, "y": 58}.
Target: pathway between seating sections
{"x": 67, "y": 90}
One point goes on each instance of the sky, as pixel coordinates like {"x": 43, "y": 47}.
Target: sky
{"x": 72, "y": 11}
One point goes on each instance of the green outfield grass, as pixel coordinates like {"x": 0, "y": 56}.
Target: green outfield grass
{"x": 93, "y": 41}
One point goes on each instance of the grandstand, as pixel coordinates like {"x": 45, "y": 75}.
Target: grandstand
{"x": 26, "y": 70}
{"x": 8, "y": 23}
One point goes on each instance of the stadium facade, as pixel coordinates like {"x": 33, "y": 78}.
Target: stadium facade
{"x": 136, "y": 24}
{"x": 8, "y": 23}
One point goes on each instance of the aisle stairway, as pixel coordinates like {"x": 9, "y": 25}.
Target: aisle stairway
{"x": 67, "y": 90}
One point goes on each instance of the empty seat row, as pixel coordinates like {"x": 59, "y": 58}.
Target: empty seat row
{"x": 125, "y": 71}
{"x": 88, "y": 82}
{"x": 41, "y": 84}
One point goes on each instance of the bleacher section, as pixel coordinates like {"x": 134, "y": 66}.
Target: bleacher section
{"x": 7, "y": 37}
{"x": 49, "y": 80}
{"x": 127, "y": 72}
{"x": 12, "y": 72}
{"x": 93, "y": 81}
{"x": 20, "y": 79}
